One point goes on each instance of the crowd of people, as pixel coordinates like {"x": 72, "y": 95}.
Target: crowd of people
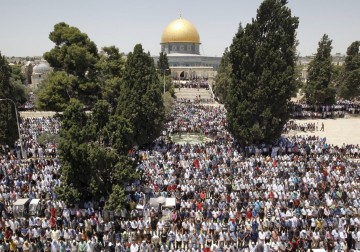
{"x": 295, "y": 195}
{"x": 198, "y": 118}
{"x": 198, "y": 83}
{"x": 302, "y": 110}
{"x": 305, "y": 127}
{"x": 29, "y": 104}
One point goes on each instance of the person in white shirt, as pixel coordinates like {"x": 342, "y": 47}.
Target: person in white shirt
{"x": 134, "y": 247}
{"x": 252, "y": 247}
{"x": 356, "y": 237}
{"x": 274, "y": 246}
{"x": 19, "y": 241}
{"x": 335, "y": 234}
{"x": 55, "y": 246}
{"x": 262, "y": 237}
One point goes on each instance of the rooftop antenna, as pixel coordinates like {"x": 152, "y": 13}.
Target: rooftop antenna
{"x": 180, "y": 14}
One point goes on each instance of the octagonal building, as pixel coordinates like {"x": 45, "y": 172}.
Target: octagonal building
{"x": 180, "y": 40}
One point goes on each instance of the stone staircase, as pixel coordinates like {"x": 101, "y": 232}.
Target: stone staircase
{"x": 194, "y": 93}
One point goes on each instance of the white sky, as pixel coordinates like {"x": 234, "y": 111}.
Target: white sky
{"x": 25, "y": 25}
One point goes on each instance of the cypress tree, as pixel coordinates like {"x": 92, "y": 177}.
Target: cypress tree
{"x": 319, "y": 89}
{"x": 350, "y": 86}
{"x": 140, "y": 98}
{"x": 262, "y": 57}
{"x": 8, "y": 126}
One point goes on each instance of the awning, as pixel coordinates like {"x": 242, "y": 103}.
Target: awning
{"x": 139, "y": 207}
{"x": 33, "y": 204}
{"x": 34, "y": 201}
{"x": 170, "y": 202}
{"x": 21, "y": 202}
{"x": 153, "y": 202}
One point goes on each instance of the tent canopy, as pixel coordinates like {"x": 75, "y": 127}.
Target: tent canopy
{"x": 21, "y": 202}
{"x": 33, "y": 204}
{"x": 153, "y": 202}
{"x": 34, "y": 201}
{"x": 170, "y": 202}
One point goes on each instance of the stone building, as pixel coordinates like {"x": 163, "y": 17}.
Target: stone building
{"x": 180, "y": 40}
{"x": 40, "y": 72}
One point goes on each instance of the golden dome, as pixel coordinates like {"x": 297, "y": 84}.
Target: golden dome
{"x": 180, "y": 30}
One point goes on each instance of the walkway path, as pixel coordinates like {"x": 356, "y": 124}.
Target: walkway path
{"x": 336, "y": 131}
{"x": 192, "y": 93}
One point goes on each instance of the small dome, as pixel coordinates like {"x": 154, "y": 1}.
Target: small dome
{"x": 42, "y": 68}
{"x": 180, "y": 30}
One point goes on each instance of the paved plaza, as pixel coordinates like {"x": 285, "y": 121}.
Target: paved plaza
{"x": 337, "y": 131}
{"x": 190, "y": 139}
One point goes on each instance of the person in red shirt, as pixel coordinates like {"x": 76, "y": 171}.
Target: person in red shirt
{"x": 199, "y": 206}
{"x": 8, "y": 233}
{"x": 202, "y": 195}
{"x": 53, "y": 211}
{"x": 271, "y": 195}
{"x": 228, "y": 198}
{"x": 206, "y": 249}
{"x": 248, "y": 214}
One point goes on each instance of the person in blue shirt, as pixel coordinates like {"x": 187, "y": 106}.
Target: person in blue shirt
{"x": 24, "y": 233}
{"x": 171, "y": 239}
{"x": 254, "y": 226}
{"x": 254, "y": 236}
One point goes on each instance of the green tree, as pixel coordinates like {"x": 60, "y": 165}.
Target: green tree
{"x": 168, "y": 103}
{"x": 337, "y": 76}
{"x": 124, "y": 170}
{"x": 92, "y": 150}
{"x": 74, "y": 52}
{"x": 56, "y": 91}
{"x": 140, "y": 97}
{"x": 102, "y": 161}
{"x": 110, "y": 71}
{"x": 116, "y": 200}
{"x": 8, "y": 90}
{"x": 16, "y": 74}
{"x": 163, "y": 64}
{"x": 75, "y": 56}
{"x": 163, "y": 68}
{"x": 350, "y": 84}
{"x": 319, "y": 88}
{"x": 99, "y": 120}
{"x": 262, "y": 58}
{"x": 48, "y": 138}
{"x": 120, "y": 133}
{"x": 223, "y": 77}
{"x": 73, "y": 149}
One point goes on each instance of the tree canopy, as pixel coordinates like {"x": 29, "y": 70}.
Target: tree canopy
{"x": 262, "y": 57}
{"x": 223, "y": 77}
{"x": 92, "y": 164}
{"x": 125, "y": 99}
{"x": 110, "y": 71}
{"x": 163, "y": 64}
{"x": 74, "y": 52}
{"x": 140, "y": 98}
{"x": 9, "y": 89}
{"x": 164, "y": 71}
{"x": 319, "y": 88}
{"x": 74, "y": 57}
{"x": 56, "y": 91}
{"x": 350, "y": 81}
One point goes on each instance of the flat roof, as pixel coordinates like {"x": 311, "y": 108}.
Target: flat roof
{"x": 20, "y": 202}
{"x": 191, "y": 67}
